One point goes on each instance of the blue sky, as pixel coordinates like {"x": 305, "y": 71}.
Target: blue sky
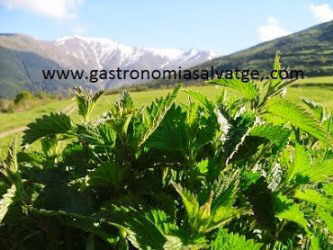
{"x": 223, "y": 26}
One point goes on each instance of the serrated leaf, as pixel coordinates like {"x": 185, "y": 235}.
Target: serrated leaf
{"x": 190, "y": 202}
{"x": 301, "y": 163}
{"x": 314, "y": 197}
{"x": 290, "y": 211}
{"x": 145, "y": 230}
{"x": 228, "y": 241}
{"x": 151, "y": 117}
{"x": 246, "y": 90}
{"x": 201, "y": 99}
{"x": 86, "y": 101}
{"x": 288, "y": 112}
{"x": 237, "y": 133}
{"x": 320, "y": 171}
{"x": 48, "y": 125}
{"x": 275, "y": 134}
{"x": 317, "y": 109}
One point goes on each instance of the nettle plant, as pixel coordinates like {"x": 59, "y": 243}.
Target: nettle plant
{"x": 249, "y": 171}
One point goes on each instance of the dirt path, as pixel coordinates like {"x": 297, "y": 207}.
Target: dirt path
{"x": 12, "y": 131}
{"x": 68, "y": 110}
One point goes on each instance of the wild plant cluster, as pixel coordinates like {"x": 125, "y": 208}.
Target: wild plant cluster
{"x": 245, "y": 173}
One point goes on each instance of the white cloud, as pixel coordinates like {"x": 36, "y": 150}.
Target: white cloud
{"x": 322, "y": 12}
{"x": 59, "y": 9}
{"x": 271, "y": 30}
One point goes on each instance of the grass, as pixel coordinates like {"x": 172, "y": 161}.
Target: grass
{"x": 15, "y": 120}
{"x": 18, "y": 119}
{"x": 316, "y": 80}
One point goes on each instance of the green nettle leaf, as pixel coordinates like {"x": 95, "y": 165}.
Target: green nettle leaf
{"x": 240, "y": 128}
{"x": 107, "y": 175}
{"x": 248, "y": 91}
{"x": 317, "y": 109}
{"x": 201, "y": 99}
{"x": 126, "y": 101}
{"x": 228, "y": 241}
{"x": 287, "y": 112}
{"x": 277, "y": 135}
{"x": 171, "y": 135}
{"x": 102, "y": 137}
{"x": 290, "y": 211}
{"x": 320, "y": 171}
{"x": 210, "y": 215}
{"x": 314, "y": 197}
{"x": 190, "y": 202}
{"x": 6, "y": 201}
{"x": 48, "y": 125}
{"x": 301, "y": 163}
{"x": 145, "y": 230}
{"x": 185, "y": 130}
{"x": 86, "y": 101}
{"x": 150, "y": 118}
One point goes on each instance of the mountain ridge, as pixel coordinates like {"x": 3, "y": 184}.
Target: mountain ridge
{"x": 310, "y": 50}
{"x": 82, "y": 53}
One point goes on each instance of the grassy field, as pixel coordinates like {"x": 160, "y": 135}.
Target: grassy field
{"x": 15, "y": 120}
{"x": 316, "y": 80}
{"x": 19, "y": 119}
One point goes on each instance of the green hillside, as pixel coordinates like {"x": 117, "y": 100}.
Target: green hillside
{"x": 310, "y": 50}
{"x": 21, "y": 60}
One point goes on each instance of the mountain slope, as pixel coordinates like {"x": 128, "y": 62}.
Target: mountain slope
{"x": 22, "y": 59}
{"x": 310, "y": 50}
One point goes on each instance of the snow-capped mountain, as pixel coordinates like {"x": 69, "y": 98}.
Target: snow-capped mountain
{"x": 24, "y": 58}
{"x": 99, "y": 53}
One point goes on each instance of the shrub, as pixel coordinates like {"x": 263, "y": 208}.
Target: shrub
{"x": 6, "y": 105}
{"x": 23, "y": 97}
{"x": 248, "y": 173}
{"x": 26, "y": 100}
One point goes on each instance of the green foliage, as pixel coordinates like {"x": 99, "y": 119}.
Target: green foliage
{"x": 226, "y": 241}
{"x": 46, "y": 126}
{"x": 208, "y": 216}
{"x": 286, "y": 112}
{"x": 252, "y": 173}
{"x": 247, "y": 91}
{"x": 86, "y": 101}
{"x": 277, "y": 135}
